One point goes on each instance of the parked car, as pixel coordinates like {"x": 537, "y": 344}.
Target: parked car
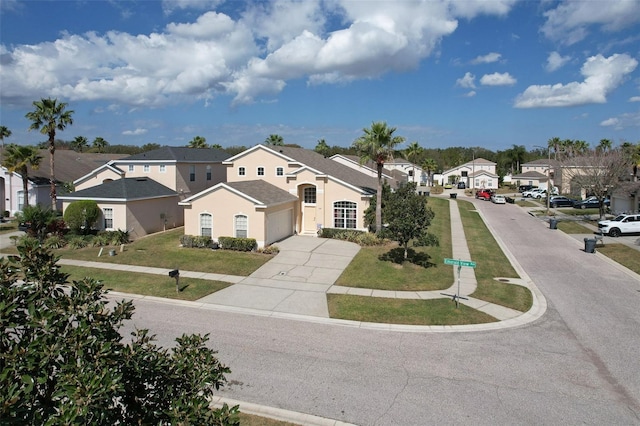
{"x": 532, "y": 192}
{"x": 590, "y": 203}
{"x": 498, "y": 199}
{"x": 483, "y": 194}
{"x": 523, "y": 188}
{"x": 24, "y": 226}
{"x": 461, "y": 185}
{"x": 448, "y": 186}
{"x": 622, "y": 224}
{"x": 560, "y": 201}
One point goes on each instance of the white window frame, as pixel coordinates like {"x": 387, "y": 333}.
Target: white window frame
{"x": 344, "y": 217}
{"x": 146, "y": 168}
{"x": 132, "y": 168}
{"x": 204, "y": 215}
{"x": 208, "y": 172}
{"x": 107, "y": 214}
{"x": 162, "y": 168}
{"x": 236, "y": 227}
{"x": 242, "y": 171}
{"x": 260, "y": 169}
{"x": 280, "y": 171}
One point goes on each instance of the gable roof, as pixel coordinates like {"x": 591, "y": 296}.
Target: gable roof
{"x": 530, "y": 175}
{"x": 180, "y": 154}
{"x": 125, "y": 189}
{"x": 320, "y": 164}
{"x": 257, "y": 191}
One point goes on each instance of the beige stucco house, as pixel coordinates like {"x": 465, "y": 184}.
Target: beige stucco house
{"x": 321, "y": 193}
{"x": 479, "y": 173}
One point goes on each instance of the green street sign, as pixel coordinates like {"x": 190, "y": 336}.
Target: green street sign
{"x": 458, "y": 262}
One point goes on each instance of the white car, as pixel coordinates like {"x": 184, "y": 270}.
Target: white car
{"x": 532, "y": 193}
{"x": 622, "y": 224}
{"x": 498, "y": 199}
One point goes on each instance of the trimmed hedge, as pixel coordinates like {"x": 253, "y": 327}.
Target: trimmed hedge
{"x": 362, "y": 238}
{"x": 237, "y": 244}
{"x": 195, "y": 241}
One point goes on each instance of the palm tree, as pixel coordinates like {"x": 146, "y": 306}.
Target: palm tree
{"x": 517, "y": 155}
{"x": 198, "y": 142}
{"x": 79, "y": 143}
{"x": 377, "y": 145}
{"x": 580, "y": 147}
{"x": 430, "y": 166}
{"x": 4, "y": 133}
{"x": 604, "y": 145}
{"x": 322, "y": 147}
{"x": 100, "y": 143}
{"x": 412, "y": 152}
{"x": 49, "y": 116}
{"x": 17, "y": 159}
{"x": 554, "y": 143}
{"x": 275, "y": 140}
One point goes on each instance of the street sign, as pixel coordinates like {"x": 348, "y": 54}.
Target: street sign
{"x": 458, "y": 262}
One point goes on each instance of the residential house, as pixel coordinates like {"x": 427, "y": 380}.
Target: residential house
{"x": 392, "y": 176}
{"x": 536, "y": 173}
{"x": 69, "y": 166}
{"x": 478, "y": 173}
{"x": 413, "y": 172}
{"x": 272, "y": 192}
{"x": 139, "y": 205}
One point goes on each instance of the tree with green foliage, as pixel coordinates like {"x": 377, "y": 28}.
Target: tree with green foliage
{"x": 604, "y": 145}
{"x": 322, "y": 148}
{"x": 198, "y": 142}
{"x": 149, "y": 147}
{"x": 47, "y": 117}
{"x": 215, "y": 146}
{"x": 79, "y": 143}
{"x": 408, "y": 216}
{"x": 64, "y": 361}
{"x": 370, "y": 212}
{"x": 430, "y": 166}
{"x": 18, "y": 159}
{"x": 413, "y": 153}
{"x": 377, "y": 144}
{"x": 39, "y": 218}
{"x": 81, "y": 216}
{"x": 100, "y": 144}
{"x": 274, "y": 140}
{"x": 4, "y": 133}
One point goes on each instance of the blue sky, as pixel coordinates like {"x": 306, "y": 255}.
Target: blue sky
{"x": 445, "y": 73}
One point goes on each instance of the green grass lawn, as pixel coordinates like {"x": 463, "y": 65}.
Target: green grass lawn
{"x": 146, "y": 284}
{"x": 573, "y": 227}
{"x": 491, "y": 263}
{"x": 163, "y": 250}
{"x": 624, "y": 255}
{"x": 367, "y": 271}
{"x": 403, "y": 311}
{"x": 8, "y": 227}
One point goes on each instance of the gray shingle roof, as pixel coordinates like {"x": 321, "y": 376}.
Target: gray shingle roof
{"x": 330, "y": 167}
{"x": 123, "y": 189}
{"x": 262, "y": 191}
{"x": 181, "y": 154}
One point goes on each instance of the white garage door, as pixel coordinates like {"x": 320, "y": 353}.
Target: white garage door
{"x": 279, "y": 225}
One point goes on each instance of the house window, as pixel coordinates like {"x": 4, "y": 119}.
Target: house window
{"x": 310, "y": 195}
{"x": 465, "y": 173}
{"x": 131, "y": 167}
{"x": 241, "y": 226}
{"x": 108, "y": 218}
{"x": 206, "y": 224}
{"x": 192, "y": 173}
{"x": 146, "y": 168}
{"x": 489, "y": 183}
{"x": 260, "y": 171}
{"x": 279, "y": 171}
{"x": 242, "y": 171}
{"x": 344, "y": 214}
{"x": 163, "y": 168}
{"x": 208, "y": 172}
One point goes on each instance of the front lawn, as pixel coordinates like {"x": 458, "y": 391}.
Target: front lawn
{"x": 624, "y": 255}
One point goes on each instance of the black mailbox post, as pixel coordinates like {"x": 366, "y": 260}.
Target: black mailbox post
{"x": 176, "y": 274}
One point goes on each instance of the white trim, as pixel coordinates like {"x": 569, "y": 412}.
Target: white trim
{"x": 258, "y": 171}
{"x": 244, "y": 171}
{"x": 235, "y": 228}
{"x": 279, "y": 168}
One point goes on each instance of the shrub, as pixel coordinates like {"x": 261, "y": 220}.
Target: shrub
{"x": 81, "y": 216}
{"x": 237, "y": 244}
{"x": 39, "y": 219}
{"x": 362, "y": 238}
{"x": 55, "y": 242}
{"x": 272, "y": 249}
{"x": 77, "y": 242}
{"x": 195, "y": 241}
{"x": 100, "y": 240}
{"x": 116, "y": 237}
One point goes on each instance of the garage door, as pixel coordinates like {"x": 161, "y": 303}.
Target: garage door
{"x": 279, "y": 225}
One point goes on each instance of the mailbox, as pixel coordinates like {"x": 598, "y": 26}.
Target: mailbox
{"x": 175, "y": 273}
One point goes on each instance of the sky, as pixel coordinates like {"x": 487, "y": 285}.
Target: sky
{"x": 486, "y": 73}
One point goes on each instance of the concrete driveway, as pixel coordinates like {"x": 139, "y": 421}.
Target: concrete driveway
{"x": 295, "y": 281}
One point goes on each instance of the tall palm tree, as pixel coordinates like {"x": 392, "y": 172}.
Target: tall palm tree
{"x": 79, "y": 143}
{"x": 198, "y": 142}
{"x": 604, "y": 145}
{"x": 413, "y": 151}
{"x": 555, "y": 143}
{"x": 16, "y": 161}
{"x": 100, "y": 144}
{"x": 50, "y": 115}
{"x": 430, "y": 166}
{"x": 4, "y": 133}
{"x": 517, "y": 155}
{"x": 377, "y": 144}
{"x": 275, "y": 140}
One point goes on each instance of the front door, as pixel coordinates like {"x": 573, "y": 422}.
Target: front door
{"x": 309, "y": 209}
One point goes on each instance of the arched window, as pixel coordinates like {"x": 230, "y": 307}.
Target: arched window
{"x": 344, "y": 214}
{"x": 241, "y": 226}
{"x": 206, "y": 225}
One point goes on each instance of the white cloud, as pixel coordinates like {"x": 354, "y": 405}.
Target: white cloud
{"x": 135, "y": 132}
{"x": 498, "y": 79}
{"x": 468, "y": 81}
{"x": 471, "y": 94}
{"x": 487, "y": 59}
{"x": 630, "y": 119}
{"x": 602, "y": 75}
{"x": 634, "y": 99}
{"x": 556, "y": 61}
{"x": 570, "y": 21}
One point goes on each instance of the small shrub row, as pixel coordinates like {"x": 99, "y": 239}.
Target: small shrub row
{"x": 195, "y": 241}
{"x": 73, "y": 241}
{"x": 272, "y": 249}
{"x": 237, "y": 244}
{"x": 362, "y": 238}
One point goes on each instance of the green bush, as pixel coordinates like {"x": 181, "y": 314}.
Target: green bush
{"x": 237, "y": 244}
{"x": 77, "y": 242}
{"x": 81, "y": 216}
{"x": 272, "y": 249}
{"x": 55, "y": 242}
{"x": 116, "y": 237}
{"x": 195, "y": 241}
{"x": 362, "y": 238}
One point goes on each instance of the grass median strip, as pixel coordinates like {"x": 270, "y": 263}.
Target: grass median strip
{"x": 147, "y": 284}
{"x": 491, "y": 263}
{"x": 626, "y": 256}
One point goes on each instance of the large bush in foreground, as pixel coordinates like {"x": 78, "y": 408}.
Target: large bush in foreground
{"x": 63, "y": 361}
{"x": 80, "y": 216}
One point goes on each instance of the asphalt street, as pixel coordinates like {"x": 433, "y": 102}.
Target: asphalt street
{"x": 575, "y": 365}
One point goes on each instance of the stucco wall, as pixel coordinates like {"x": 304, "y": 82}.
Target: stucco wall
{"x": 144, "y": 217}
{"x": 97, "y": 179}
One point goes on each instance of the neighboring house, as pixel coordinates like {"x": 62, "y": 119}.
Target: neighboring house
{"x": 537, "y": 172}
{"x": 184, "y": 170}
{"x": 138, "y": 205}
{"x": 69, "y": 166}
{"x": 275, "y": 191}
{"x": 413, "y": 172}
{"x": 393, "y": 177}
{"x": 626, "y": 198}
{"x": 479, "y": 173}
